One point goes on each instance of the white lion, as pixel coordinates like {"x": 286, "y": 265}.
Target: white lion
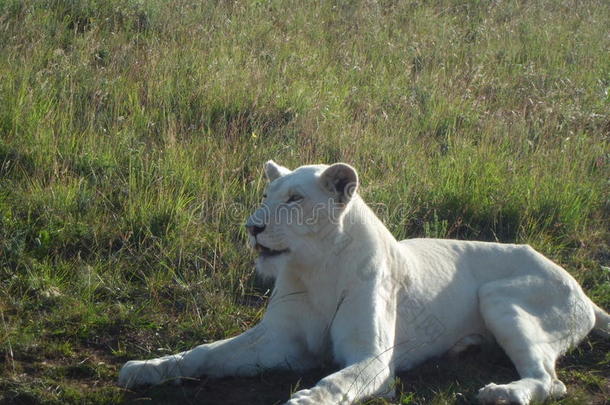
{"x": 346, "y": 290}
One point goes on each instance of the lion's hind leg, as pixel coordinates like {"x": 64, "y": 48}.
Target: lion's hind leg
{"x": 534, "y": 320}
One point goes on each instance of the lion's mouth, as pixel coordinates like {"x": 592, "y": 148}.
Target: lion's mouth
{"x": 266, "y": 252}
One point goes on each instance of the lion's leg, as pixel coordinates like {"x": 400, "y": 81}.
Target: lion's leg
{"x": 254, "y": 350}
{"x": 532, "y": 321}
{"x": 369, "y": 377}
{"x": 364, "y": 344}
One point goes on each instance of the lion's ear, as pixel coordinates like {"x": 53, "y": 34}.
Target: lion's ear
{"x": 341, "y": 181}
{"x": 273, "y": 170}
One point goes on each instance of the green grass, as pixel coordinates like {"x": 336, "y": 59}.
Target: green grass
{"x": 132, "y": 136}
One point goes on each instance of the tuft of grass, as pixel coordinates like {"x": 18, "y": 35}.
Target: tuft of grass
{"x": 132, "y": 136}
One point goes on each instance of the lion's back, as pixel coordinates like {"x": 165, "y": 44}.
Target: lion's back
{"x": 483, "y": 261}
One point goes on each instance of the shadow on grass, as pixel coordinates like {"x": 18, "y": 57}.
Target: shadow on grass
{"x": 265, "y": 389}
{"x": 446, "y": 380}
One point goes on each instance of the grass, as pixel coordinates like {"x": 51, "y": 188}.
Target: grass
{"x": 132, "y": 136}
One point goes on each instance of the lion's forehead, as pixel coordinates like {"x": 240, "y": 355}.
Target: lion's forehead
{"x": 301, "y": 179}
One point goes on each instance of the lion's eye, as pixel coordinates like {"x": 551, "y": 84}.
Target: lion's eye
{"x": 294, "y": 198}
{"x": 265, "y": 195}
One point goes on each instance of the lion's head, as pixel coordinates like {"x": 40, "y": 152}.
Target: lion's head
{"x": 301, "y": 210}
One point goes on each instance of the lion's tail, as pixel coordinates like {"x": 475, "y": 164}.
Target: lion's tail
{"x": 602, "y": 321}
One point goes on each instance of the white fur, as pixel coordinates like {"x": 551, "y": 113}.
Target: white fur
{"x": 347, "y": 289}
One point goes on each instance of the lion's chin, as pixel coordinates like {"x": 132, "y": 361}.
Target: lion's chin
{"x": 265, "y": 252}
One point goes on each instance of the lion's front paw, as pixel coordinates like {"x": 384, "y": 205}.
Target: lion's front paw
{"x": 302, "y": 397}
{"x": 146, "y": 372}
{"x": 503, "y": 395}
{"x": 312, "y": 396}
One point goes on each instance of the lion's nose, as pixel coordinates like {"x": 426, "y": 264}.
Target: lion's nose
{"x": 255, "y": 230}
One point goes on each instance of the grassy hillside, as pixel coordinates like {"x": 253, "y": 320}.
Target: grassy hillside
{"x": 132, "y": 136}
